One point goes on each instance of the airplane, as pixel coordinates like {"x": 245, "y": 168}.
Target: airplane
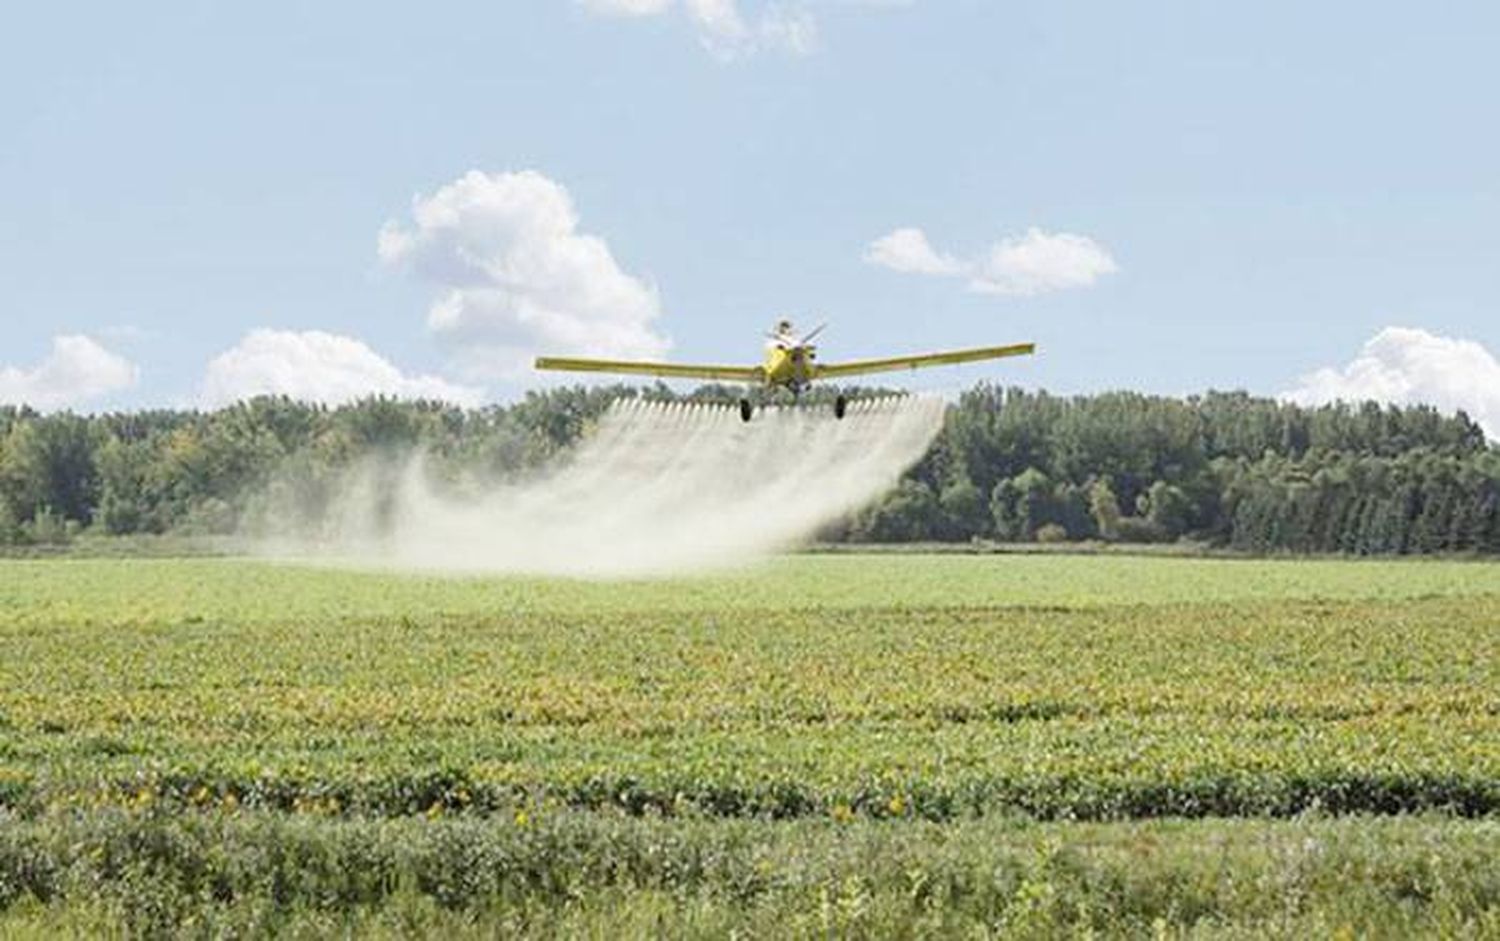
{"x": 790, "y": 363}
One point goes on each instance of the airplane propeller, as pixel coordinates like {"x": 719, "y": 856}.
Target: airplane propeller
{"x": 807, "y": 337}
{"x": 802, "y": 341}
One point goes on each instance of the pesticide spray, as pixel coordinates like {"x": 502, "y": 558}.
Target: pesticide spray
{"x": 656, "y": 488}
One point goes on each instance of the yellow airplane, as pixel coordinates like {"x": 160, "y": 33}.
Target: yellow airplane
{"x": 790, "y": 364}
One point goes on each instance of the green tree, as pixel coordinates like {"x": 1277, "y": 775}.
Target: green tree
{"x": 1104, "y": 506}
{"x": 1035, "y": 506}
{"x": 963, "y": 511}
{"x": 49, "y": 462}
{"x": 1007, "y": 524}
{"x": 905, "y": 515}
{"x": 1168, "y": 508}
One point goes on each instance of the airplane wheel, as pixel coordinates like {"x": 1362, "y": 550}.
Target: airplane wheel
{"x": 746, "y": 410}
{"x": 840, "y": 405}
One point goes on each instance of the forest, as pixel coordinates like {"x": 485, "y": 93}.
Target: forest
{"x": 1222, "y": 469}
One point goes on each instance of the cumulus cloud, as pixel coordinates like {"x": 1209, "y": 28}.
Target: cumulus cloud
{"x": 909, "y": 251}
{"x": 1407, "y": 366}
{"x": 316, "y": 367}
{"x": 628, "y": 7}
{"x": 793, "y": 30}
{"x": 723, "y": 29}
{"x": 517, "y": 275}
{"x": 1038, "y": 262}
{"x": 1034, "y": 263}
{"x": 76, "y": 371}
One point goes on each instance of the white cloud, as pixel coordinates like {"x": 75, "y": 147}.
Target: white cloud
{"x": 722, "y": 28}
{"x": 1405, "y": 366}
{"x": 794, "y": 30}
{"x": 719, "y": 23}
{"x": 316, "y": 367}
{"x": 908, "y": 250}
{"x": 77, "y": 370}
{"x": 1034, "y": 263}
{"x": 628, "y": 7}
{"x": 1038, "y": 262}
{"x": 518, "y": 277}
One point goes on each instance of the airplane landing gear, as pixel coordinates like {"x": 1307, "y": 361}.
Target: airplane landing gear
{"x": 746, "y": 410}
{"x": 840, "y": 405}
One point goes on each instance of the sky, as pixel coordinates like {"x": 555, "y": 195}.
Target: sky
{"x": 201, "y": 201}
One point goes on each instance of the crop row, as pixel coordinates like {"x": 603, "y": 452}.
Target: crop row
{"x": 1104, "y": 797}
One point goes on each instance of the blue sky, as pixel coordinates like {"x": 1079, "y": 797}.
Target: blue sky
{"x": 1272, "y": 186}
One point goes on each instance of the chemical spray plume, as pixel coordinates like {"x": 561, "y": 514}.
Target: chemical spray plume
{"x": 656, "y": 488}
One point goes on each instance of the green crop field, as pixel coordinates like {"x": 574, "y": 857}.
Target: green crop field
{"x": 846, "y": 744}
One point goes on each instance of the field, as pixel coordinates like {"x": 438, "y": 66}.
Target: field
{"x": 887, "y": 744}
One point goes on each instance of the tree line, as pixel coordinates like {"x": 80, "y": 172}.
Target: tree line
{"x": 1226, "y": 469}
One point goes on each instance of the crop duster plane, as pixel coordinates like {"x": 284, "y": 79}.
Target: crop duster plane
{"x": 790, "y": 363}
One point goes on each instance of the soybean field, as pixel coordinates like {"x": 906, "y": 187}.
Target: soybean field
{"x": 867, "y": 745}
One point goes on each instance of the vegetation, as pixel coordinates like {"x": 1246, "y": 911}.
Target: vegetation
{"x": 1224, "y": 468}
{"x": 885, "y": 745}
{"x": 571, "y": 875}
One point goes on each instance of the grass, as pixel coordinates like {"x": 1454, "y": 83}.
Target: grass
{"x": 871, "y": 713}
{"x": 614, "y": 876}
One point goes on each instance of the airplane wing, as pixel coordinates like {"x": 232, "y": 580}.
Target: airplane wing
{"x": 662, "y": 370}
{"x": 861, "y": 366}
